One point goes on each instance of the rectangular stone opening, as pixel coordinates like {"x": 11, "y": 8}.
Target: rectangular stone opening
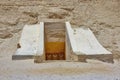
{"x": 54, "y": 40}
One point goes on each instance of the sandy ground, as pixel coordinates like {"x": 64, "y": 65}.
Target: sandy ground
{"x": 101, "y": 16}
{"x": 53, "y": 70}
{"x": 58, "y": 70}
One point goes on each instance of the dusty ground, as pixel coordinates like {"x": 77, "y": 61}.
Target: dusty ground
{"x": 102, "y": 16}
{"x": 53, "y": 70}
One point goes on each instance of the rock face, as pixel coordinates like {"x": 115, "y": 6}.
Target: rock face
{"x": 102, "y": 16}
{"x": 5, "y": 34}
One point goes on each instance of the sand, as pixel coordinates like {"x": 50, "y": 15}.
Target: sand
{"x": 101, "y": 16}
{"x": 53, "y": 70}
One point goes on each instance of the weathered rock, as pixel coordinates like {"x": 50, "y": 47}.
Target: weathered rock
{"x": 8, "y": 19}
{"x": 31, "y": 14}
{"x": 102, "y": 16}
{"x": 5, "y": 34}
{"x": 16, "y": 30}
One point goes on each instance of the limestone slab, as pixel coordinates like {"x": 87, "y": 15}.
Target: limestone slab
{"x": 83, "y": 42}
{"x": 31, "y": 42}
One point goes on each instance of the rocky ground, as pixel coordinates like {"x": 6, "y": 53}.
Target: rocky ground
{"x": 102, "y": 16}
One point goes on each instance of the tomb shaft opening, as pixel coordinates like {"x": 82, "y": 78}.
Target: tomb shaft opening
{"x": 54, "y": 41}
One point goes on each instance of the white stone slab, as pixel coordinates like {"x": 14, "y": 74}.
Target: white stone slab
{"x": 31, "y": 41}
{"x": 83, "y": 41}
